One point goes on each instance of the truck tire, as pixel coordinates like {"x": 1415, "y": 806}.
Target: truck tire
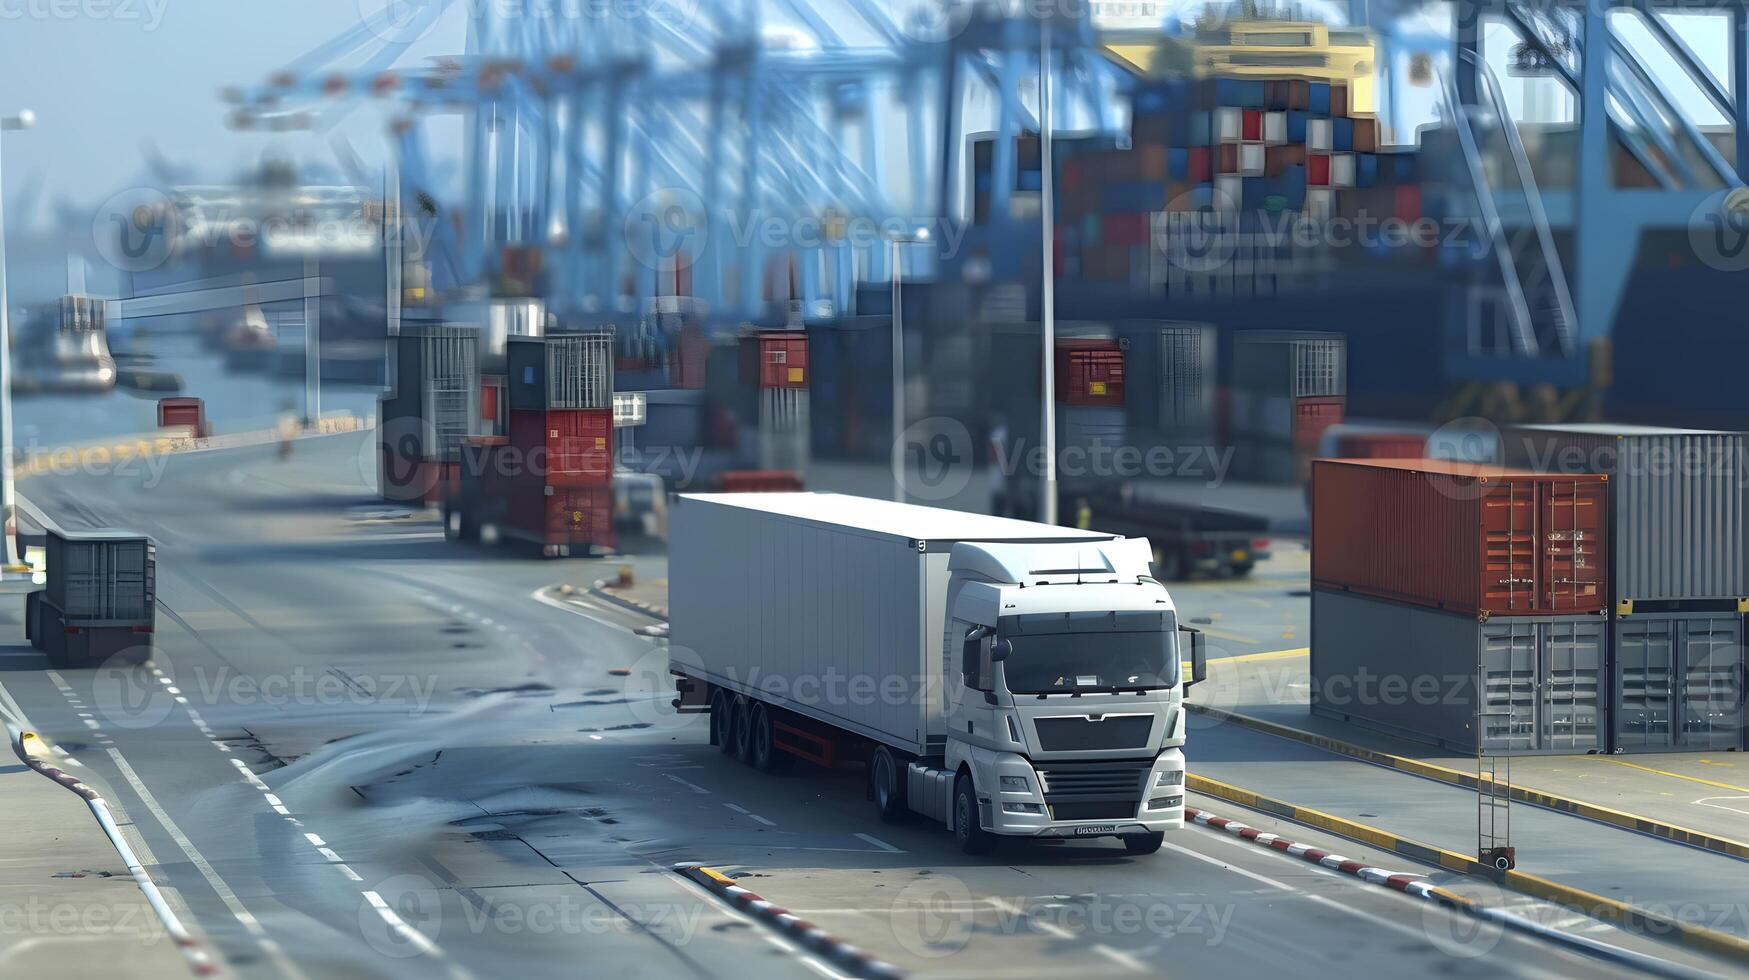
{"x": 763, "y": 753}
{"x": 742, "y": 730}
{"x": 1143, "y": 843}
{"x": 967, "y": 831}
{"x": 723, "y": 722}
{"x": 886, "y": 785}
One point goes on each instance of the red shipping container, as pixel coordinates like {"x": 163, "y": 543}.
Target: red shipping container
{"x": 1123, "y": 230}
{"x": 1251, "y": 125}
{"x": 579, "y": 518}
{"x": 775, "y": 359}
{"x": 1090, "y": 372}
{"x": 491, "y": 396}
{"x": 1381, "y": 445}
{"x": 1318, "y": 170}
{"x": 1201, "y": 165}
{"x": 760, "y": 481}
{"x": 1472, "y": 539}
{"x": 190, "y": 412}
{"x": 1072, "y": 175}
{"x": 1228, "y": 160}
{"x": 1312, "y": 415}
{"x": 1408, "y": 203}
{"x": 1151, "y": 162}
{"x": 694, "y": 350}
{"x": 562, "y": 447}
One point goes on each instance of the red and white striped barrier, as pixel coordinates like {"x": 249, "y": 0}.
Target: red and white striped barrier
{"x": 811, "y": 937}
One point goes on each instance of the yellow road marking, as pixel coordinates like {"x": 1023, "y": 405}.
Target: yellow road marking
{"x": 1672, "y": 775}
{"x": 1271, "y": 655}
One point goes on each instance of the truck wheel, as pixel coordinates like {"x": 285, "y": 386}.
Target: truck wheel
{"x": 743, "y": 730}
{"x": 887, "y": 786}
{"x": 1142, "y": 843}
{"x": 764, "y": 754}
{"x": 723, "y": 722}
{"x": 967, "y": 831}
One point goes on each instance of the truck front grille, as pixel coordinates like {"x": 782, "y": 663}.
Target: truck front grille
{"x": 1095, "y": 790}
{"x": 1078, "y": 733}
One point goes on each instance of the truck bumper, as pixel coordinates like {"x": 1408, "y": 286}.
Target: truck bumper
{"x": 1028, "y": 814}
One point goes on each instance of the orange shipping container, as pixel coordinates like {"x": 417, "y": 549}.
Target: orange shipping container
{"x": 1090, "y": 372}
{"x": 1472, "y": 539}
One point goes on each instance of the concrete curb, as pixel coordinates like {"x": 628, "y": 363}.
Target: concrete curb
{"x": 1586, "y": 903}
{"x": 602, "y": 590}
{"x": 1420, "y": 888}
{"x": 31, "y": 750}
{"x": 811, "y": 937}
{"x": 1520, "y": 794}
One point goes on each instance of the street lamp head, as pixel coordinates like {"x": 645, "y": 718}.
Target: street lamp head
{"x": 24, "y": 120}
{"x": 921, "y": 235}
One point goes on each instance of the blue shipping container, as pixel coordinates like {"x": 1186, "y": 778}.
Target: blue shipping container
{"x": 1178, "y": 163}
{"x": 1031, "y": 180}
{"x": 1201, "y": 129}
{"x": 1296, "y": 126}
{"x": 1366, "y": 169}
{"x": 1342, "y": 133}
{"x": 1132, "y": 196}
{"x": 1319, "y": 99}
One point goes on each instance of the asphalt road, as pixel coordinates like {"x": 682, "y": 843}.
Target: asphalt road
{"x": 361, "y": 751}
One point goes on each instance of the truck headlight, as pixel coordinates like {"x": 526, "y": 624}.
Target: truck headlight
{"x": 1170, "y": 777}
{"x": 1022, "y": 808}
{"x": 1165, "y": 802}
{"x": 1015, "y": 784}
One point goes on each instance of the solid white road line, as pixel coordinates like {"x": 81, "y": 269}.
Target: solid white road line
{"x": 883, "y": 845}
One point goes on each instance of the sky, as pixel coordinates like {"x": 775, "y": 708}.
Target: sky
{"x": 104, "y": 77}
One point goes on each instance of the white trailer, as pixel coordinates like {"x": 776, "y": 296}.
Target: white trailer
{"x": 1001, "y": 676}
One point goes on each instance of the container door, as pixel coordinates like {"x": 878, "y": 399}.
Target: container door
{"x": 1643, "y": 654}
{"x": 1508, "y": 707}
{"x": 1187, "y": 379}
{"x": 1572, "y": 656}
{"x": 1572, "y": 558}
{"x": 1712, "y": 671}
{"x": 1509, "y": 553}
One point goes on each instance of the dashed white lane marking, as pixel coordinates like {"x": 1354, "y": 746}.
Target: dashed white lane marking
{"x": 1121, "y": 958}
{"x": 883, "y": 845}
{"x": 691, "y": 786}
{"x": 216, "y": 883}
{"x": 743, "y": 811}
{"x": 1041, "y": 925}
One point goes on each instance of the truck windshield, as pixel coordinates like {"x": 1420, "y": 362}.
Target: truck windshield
{"x": 1110, "y": 651}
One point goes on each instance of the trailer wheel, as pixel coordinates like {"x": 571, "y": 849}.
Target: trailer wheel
{"x": 967, "y": 831}
{"x": 743, "y": 729}
{"x": 887, "y": 786}
{"x": 1143, "y": 843}
{"x": 722, "y": 722}
{"x": 763, "y": 753}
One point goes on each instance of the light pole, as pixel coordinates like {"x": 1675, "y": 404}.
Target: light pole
{"x": 8, "y": 502}
{"x": 1047, "y": 296}
{"x": 898, "y": 460}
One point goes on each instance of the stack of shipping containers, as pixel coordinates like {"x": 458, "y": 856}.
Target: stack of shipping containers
{"x": 1678, "y": 582}
{"x": 1287, "y": 388}
{"x": 1170, "y": 400}
{"x": 1461, "y": 604}
{"x": 430, "y": 413}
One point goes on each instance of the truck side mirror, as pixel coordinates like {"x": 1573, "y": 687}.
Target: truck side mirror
{"x": 1199, "y": 665}
{"x": 1000, "y": 650}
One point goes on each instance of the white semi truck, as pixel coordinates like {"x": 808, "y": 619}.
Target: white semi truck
{"x": 1003, "y": 677}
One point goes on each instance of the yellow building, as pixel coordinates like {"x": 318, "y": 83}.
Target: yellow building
{"x": 1256, "y": 49}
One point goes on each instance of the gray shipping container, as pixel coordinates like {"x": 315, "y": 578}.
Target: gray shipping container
{"x": 1518, "y": 684}
{"x": 822, "y": 602}
{"x": 102, "y": 576}
{"x": 1677, "y": 500}
{"x": 1170, "y": 378}
{"x": 1290, "y": 364}
{"x": 1679, "y": 683}
{"x": 435, "y": 406}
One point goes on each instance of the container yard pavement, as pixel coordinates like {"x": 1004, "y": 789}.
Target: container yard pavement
{"x": 68, "y": 907}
